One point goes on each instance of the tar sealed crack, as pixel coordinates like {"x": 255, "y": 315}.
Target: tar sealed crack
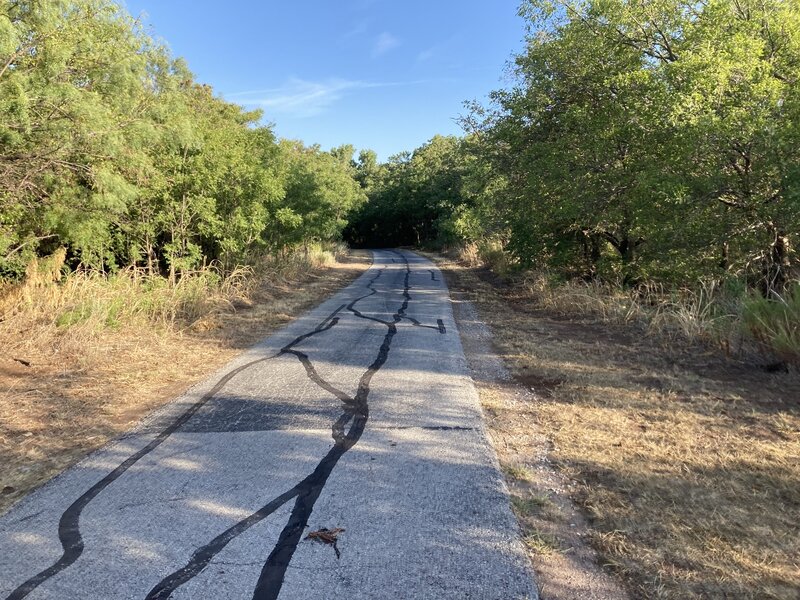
{"x": 346, "y": 432}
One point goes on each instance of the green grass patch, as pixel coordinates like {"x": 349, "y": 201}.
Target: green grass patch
{"x": 775, "y": 323}
{"x": 519, "y": 472}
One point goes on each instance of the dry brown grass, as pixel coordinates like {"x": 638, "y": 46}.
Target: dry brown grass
{"x": 92, "y": 379}
{"x": 686, "y": 463}
{"x": 721, "y": 314}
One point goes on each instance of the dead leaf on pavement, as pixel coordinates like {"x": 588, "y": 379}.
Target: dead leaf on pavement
{"x": 327, "y": 536}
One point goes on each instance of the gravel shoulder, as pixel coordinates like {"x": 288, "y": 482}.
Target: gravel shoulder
{"x": 554, "y": 529}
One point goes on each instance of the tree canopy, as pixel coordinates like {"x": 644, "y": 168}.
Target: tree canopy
{"x": 640, "y": 140}
{"x": 110, "y": 148}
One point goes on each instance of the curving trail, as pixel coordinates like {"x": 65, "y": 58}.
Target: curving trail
{"x": 213, "y": 495}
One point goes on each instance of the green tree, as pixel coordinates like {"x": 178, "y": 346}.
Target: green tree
{"x": 320, "y": 192}
{"x": 77, "y": 81}
{"x": 650, "y": 138}
{"x": 109, "y": 147}
{"x": 414, "y": 198}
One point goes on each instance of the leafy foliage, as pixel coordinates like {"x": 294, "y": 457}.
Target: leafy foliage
{"x": 108, "y": 147}
{"x": 414, "y": 198}
{"x": 650, "y": 140}
{"x": 640, "y": 142}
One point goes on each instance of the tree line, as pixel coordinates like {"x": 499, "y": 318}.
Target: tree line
{"x": 110, "y": 148}
{"x": 652, "y": 140}
{"x": 639, "y": 141}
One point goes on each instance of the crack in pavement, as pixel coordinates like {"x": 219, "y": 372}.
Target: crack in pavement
{"x": 355, "y": 412}
{"x": 352, "y": 306}
{"x": 122, "y": 507}
{"x": 306, "y": 492}
{"x": 438, "y": 327}
{"x": 69, "y": 524}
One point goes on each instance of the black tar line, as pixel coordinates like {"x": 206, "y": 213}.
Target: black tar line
{"x": 356, "y": 412}
{"x": 306, "y": 492}
{"x": 69, "y": 525}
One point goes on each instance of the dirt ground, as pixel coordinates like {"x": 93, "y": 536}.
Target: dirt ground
{"x": 59, "y": 403}
{"x": 673, "y": 467}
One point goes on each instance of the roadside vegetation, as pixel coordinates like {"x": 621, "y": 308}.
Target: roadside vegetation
{"x": 112, "y": 152}
{"x": 85, "y": 357}
{"x": 684, "y": 462}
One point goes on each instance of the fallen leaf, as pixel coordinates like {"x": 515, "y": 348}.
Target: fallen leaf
{"x": 327, "y": 536}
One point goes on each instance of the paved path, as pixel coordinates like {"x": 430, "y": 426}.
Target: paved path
{"x": 360, "y": 415}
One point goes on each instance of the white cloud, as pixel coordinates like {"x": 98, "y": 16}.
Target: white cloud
{"x": 359, "y": 28}
{"x": 426, "y": 55}
{"x": 298, "y": 98}
{"x": 384, "y": 42}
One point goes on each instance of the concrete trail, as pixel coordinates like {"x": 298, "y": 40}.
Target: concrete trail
{"x": 360, "y": 415}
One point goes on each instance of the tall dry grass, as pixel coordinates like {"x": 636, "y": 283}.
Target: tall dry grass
{"x": 96, "y": 301}
{"x": 775, "y": 323}
{"x": 488, "y": 253}
{"x": 86, "y": 355}
{"x": 686, "y": 463}
{"x": 721, "y": 314}
{"x": 66, "y": 310}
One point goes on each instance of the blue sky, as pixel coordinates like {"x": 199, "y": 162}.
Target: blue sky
{"x": 380, "y": 74}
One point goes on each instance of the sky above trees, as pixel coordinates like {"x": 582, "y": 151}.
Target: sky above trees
{"x": 374, "y": 73}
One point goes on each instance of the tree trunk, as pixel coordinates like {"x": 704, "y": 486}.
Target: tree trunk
{"x": 590, "y": 245}
{"x": 627, "y": 252}
{"x": 723, "y": 257}
{"x": 778, "y": 264}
